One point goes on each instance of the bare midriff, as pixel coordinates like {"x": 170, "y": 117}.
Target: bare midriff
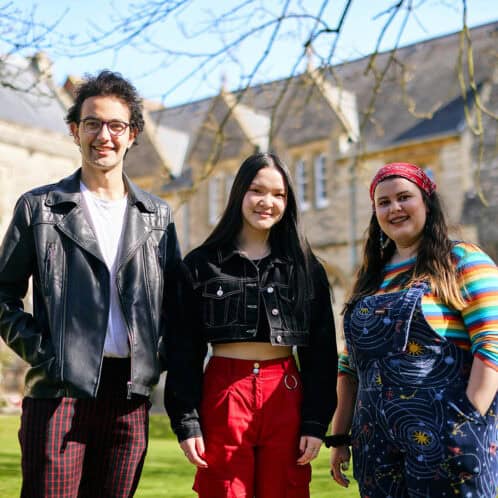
{"x": 251, "y": 351}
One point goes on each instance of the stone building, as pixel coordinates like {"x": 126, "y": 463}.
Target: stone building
{"x": 335, "y": 126}
{"x": 35, "y": 146}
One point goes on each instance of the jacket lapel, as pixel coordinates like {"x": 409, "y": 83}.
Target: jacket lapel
{"x": 67, "y": 197}
{"x": 75, "y": 226}
{"x": 135, "y": 229}
{"x": 135, "y": 233}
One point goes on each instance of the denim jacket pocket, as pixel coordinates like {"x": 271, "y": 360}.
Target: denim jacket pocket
{"x": 221, "y": 301}
{"x": 295, "y": 318}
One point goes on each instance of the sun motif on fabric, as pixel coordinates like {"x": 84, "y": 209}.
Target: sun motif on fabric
{"x": 421, "y": 437}
{"x": 414, "y": 348}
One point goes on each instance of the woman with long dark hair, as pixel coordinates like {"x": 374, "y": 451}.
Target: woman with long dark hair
{"x": 418, "y": 382}
{"x": 253, "y": 421}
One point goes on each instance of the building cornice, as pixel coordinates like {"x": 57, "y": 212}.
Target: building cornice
{"x": 38, "y": 140}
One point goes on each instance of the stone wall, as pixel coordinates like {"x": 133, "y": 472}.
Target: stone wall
{"x": 30, "y": 157}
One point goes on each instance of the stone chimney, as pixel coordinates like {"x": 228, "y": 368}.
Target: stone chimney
{"x": 42, "y": 63}
{"x": 71, "y": 84}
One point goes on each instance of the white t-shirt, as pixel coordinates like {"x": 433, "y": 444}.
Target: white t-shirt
{"x": 107, "y": 217}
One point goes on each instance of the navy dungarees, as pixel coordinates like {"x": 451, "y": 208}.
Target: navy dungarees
{"x": 415, "y": 433}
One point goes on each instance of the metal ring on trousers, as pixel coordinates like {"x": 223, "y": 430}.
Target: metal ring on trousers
{"x": 290, "y": 382}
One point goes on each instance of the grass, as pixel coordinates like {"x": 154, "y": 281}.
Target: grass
{"x": 166, "y": 472}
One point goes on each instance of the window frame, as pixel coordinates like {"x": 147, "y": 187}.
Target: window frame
{"x": 320, "y": 177}
{"x": 302, "y": 184}
{"x": 215, "y": 192}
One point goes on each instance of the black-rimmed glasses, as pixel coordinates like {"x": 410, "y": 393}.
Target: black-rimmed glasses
{"x": 92, "y": 126}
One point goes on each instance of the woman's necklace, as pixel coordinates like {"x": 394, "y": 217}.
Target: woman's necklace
{"x": 255, "y": 255}
{"x": 258, "y": 261}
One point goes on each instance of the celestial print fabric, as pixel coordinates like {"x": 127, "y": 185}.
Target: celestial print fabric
{"x": 415, "y": 433}
{"x": 475, "y": 328}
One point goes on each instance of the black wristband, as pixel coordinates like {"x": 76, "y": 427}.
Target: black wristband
{"x": 337, "y": 440}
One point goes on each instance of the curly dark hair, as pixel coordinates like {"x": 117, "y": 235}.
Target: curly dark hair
{"x": 108, "y": 83}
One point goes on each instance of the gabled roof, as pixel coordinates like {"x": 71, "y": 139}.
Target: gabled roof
{"x": 255, "y": 125}
{"x": 449, "y": 118}
{"x": 421, "y": 83}
{"x": 226, "y": 129}
{"x": 341, "y": 101}
{"x": 425, "y": 75}
{"x": 28, "y": 97}
{"x": 175, "y": 143}
{"x": 186, "y": 118}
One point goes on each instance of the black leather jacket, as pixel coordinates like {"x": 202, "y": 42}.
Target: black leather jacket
{"x": 221, "y": 292}
{"x": 50, "y": 239}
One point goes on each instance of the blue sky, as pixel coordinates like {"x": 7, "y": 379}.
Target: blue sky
{"x": 359, "y": 37}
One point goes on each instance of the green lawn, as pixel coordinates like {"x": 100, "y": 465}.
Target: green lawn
{"x": 166, "y": 472}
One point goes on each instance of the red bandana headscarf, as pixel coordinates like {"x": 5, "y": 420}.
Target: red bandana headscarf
{"x": 404, "y": 170}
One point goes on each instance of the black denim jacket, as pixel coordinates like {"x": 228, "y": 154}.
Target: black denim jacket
{"x": 221, "y": 290}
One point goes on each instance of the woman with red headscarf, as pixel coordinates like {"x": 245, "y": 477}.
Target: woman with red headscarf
{"x": 418, "y": 382}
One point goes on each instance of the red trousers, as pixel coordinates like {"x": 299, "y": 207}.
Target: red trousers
{"x": 85, "y": 448}
{"x": 250, "y": 416}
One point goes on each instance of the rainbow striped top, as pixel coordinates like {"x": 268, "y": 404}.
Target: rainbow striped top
{"x": 476, "y": 326}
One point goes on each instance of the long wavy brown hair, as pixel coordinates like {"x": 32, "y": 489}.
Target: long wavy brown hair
{"x": 434, "y": 263}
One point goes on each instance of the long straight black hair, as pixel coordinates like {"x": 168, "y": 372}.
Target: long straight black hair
{"x": 286, "y": 237}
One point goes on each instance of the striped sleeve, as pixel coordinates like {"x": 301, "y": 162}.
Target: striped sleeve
{"x": 479, "y": 284}
{"x": 344, "y": 366}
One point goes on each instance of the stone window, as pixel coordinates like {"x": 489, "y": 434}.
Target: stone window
{"x": 215, "y": 199}
{"x": 321, "y": 186}
{"x": 302, "y": 185}
{"x": 228, "y": 186}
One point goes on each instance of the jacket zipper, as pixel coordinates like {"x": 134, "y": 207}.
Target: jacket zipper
{"x": 131, "y": 339}
{"x": 64, "y": 314}
{"x": 48, "y": 265}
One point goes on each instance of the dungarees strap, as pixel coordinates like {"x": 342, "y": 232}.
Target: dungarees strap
{"x": 404, "y": 320}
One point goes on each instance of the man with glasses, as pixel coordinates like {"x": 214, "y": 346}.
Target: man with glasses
{"x": 103, "y": 256}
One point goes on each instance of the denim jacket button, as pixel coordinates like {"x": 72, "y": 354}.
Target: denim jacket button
{"x": 269, "y": 290}
{"x": 274, "y": 312}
